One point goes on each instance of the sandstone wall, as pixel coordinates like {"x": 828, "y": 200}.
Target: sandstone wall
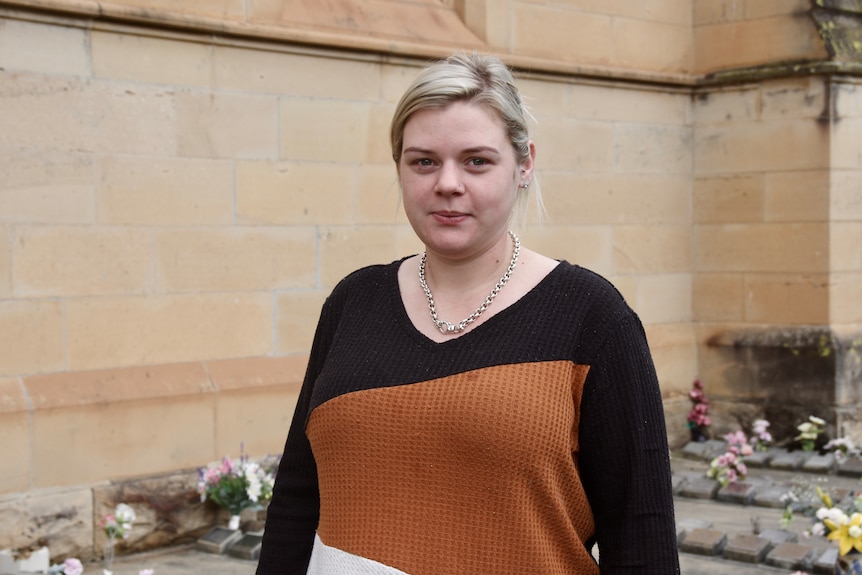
{"x": 183, "y": 183}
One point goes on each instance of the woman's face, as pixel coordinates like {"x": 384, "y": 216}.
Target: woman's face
{"x": 459, "y": 178}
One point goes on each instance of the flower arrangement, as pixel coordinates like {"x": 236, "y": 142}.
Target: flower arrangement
{"x": 236, "y": 484}
{"x": 842, "y": 447}
{"x": 698, "y": 418}
{"x": 729, "y": 467}
{"x": 119, "y": 523}
{"x": 70, "y": 566}
{"x": 761, "y": 439}
{"x": 809, "y": 431}
{"x": 840, "y": 524}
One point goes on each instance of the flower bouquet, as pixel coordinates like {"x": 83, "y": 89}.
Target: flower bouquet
{"x": 843, "y": 525}
{"x": 116, "y": 524}
{"x": 698, "y": 419}
{"x": 236, "y": 485}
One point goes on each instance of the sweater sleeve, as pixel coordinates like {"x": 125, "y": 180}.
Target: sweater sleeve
{"x": 625, "y": 458}
{"x": 294, "y": 511}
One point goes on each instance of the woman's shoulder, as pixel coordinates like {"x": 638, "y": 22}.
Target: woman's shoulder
{"x": 585, "y": 282}
{"x": 367, "y": 278}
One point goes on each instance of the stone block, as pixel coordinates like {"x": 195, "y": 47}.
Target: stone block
{"x": 696, "y": 450}
{"x": 819, "y": 463}
{"x": 747, "y": 548}
{"x": 689, "y": 524}
{"x": 791, "y": 556}
{"x": 58, "y": 261}
{"x": 770, "y": 496}
{"x": 167, "y": 506}
{"x": 759, "y": 458}
{"x": 247, "y": 547}
{"x": 235, "y": 259}
{"x": 851, "y": 467}
{"x": 704, "y": 542}
{"x": 227, "y": 125}
{"x": 218, "y": 540}
{"x": 738, "y": 492}
{"x": 779, "y": 536}
{"x": 789, "y": 460}
{"x": 166, "y": 191}
{"x": 314, "y": 130}
{"x": 825, "y": 562}
{"x": 171, "y": 328}
{"x": 38, "y": 344}
{"x": 61, "y": 517}
{"x": 701, "y": 488}
{"x": 296, "y": 193}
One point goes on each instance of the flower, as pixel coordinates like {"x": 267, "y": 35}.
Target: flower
{"x": 70, "y": 566}
{"x": 761, "y": 439}
{"x": 809, "y": 431}
{"x": 236, "y": 485}
{"x": 729, "y": 467}
{"x": 698, "y": 416}
{"x": 119, "y": 523}
{"x": 843, "y": 447}
{"x": 145, "y": 572}
{"x": 840, "y": 524}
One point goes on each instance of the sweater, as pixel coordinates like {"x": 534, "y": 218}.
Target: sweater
{"x": 511, "y": 449}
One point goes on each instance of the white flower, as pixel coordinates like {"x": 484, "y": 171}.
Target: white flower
{"x": 818, "y": 529}
{"x": 125, "y": 514}
{"x": 816, "y": 420}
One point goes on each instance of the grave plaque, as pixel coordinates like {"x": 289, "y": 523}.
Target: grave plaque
{"x": 218, "y": 540}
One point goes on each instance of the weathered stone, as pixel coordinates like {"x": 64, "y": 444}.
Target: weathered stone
{"x": 770, "y": 497}
{"x": 700, "y": 488}
{"x": 61, "y": 519}
{"x": 851, "y": 467}
{"x": 696, "y": 450}
{"x": 738, "y": 492}
{"x": 168, "y": 509}
{"x": 825, "y": 563}
{"x": 791, "y": 556}
{"x": 747, "y": 548}
{"x": 247, "y": 547}
{"x": 218, "y": 540}
{"x": 779, "y": 536}
{"x": 759, "y": 458}
{"x": 790, "y": 460}
{"x": 704, "y": 542}
{"x": 819, "y": 463}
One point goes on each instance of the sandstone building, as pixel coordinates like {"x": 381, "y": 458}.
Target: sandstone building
{"x": 182, "y": 183}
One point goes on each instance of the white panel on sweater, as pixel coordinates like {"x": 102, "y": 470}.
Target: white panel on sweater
{"x": 326, "y": 560}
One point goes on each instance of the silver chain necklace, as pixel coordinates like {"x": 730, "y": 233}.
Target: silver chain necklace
{"x": 448, "y": 328}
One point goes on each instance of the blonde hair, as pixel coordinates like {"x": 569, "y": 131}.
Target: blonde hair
{"x": 478, "y": 78}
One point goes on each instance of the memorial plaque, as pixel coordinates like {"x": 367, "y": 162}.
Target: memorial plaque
{"x": 218, "y": 540}
{"x": 248, "y": 547}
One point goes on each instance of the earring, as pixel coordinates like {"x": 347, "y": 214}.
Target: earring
{"x": 525, "y": 185}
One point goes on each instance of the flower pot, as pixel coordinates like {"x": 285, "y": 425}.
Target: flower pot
{"x": 850, "y": 564}
{"x": 233, "y": 523}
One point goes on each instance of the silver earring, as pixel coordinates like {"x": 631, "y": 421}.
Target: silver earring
{"x": 525, "y": 185}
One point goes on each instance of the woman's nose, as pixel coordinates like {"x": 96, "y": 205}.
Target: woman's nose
{"x": 449, "y": 180}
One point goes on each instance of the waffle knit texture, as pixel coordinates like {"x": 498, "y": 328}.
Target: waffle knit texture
{"x": 511, "y": 449}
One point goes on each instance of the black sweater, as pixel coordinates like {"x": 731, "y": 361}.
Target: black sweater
{"x": 510, "y": 449}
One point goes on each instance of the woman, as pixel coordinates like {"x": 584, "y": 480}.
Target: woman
{"x": 511, "y": 441}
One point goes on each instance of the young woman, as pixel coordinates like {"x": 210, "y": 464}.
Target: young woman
{"x": 479, "y": 408}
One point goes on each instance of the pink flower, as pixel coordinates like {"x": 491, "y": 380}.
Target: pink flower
{"x": 72, "y": 566}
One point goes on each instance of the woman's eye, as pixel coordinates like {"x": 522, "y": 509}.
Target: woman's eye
{"x": 477, "y": 162}
{"x": 424, "y": 162}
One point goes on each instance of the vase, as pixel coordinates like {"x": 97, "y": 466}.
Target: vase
{"x": 108, "y": 552}
{"x": 850, "y": 564}
{"x": 697, "y": 434}
{"x": 233, "y": 523}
